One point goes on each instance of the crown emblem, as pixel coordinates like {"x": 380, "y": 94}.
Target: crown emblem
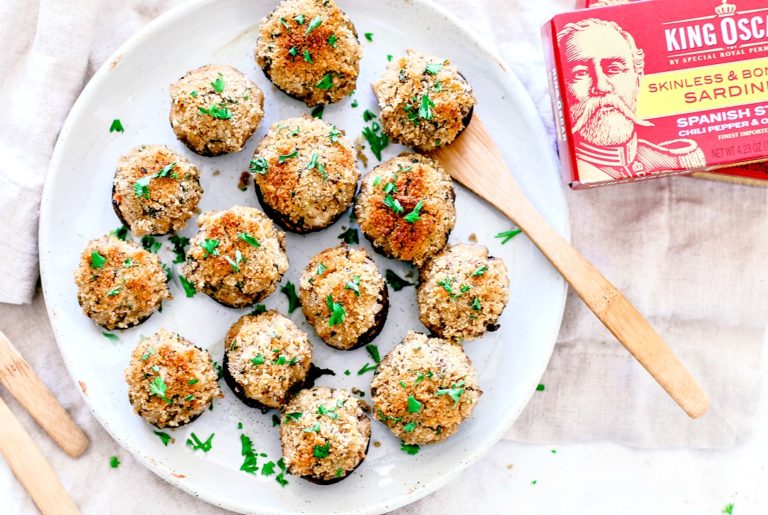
{"x": 725, "y": 9}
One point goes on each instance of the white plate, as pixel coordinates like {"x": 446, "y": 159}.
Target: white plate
{"x": 133, "y": 86}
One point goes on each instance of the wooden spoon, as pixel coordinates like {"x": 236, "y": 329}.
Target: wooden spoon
{"x": 474, "y": 161}
{"x": 31, "y": 467}
{"x": 19, "y": 378}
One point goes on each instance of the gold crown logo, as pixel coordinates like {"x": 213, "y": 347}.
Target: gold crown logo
{"x": 725, "y": 9}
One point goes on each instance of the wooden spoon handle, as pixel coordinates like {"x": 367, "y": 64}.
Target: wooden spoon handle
{"x": 611, "y": 307}
{"x": 19, "y": 378}
{"x": 31, "y": 468}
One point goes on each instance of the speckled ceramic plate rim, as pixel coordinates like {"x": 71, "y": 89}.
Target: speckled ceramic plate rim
{"x": 524, "y": 103}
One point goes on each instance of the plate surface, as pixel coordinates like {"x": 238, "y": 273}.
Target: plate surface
{"x": 133, "y": 86}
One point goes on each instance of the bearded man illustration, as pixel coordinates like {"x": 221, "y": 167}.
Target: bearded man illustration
{"x": 602, "y": 69}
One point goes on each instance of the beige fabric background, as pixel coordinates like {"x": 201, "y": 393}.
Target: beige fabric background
{"x": 689, "y": 253}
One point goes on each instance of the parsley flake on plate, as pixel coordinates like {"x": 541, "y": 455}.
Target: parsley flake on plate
{"x": 409, "y": 448}
{"x": 117, "y": 126}
{"x": 164, "y": 437}
{"x": 350, "y": 236}
{"x": 196, "y": 444}
{"x": 179, "y": 247}
{"x": 111, "y": 337}
{"x": 150, "y": 244}
{"x": 114, "y": 462}
{"x": 508, "y": 235}
{"x": 366, "y": 368}
{"x": 369, "y": 36}
{"x": 395, "y": 281}
{"x": 189, "y": 288}
{"x": 373, "y": 350}
{"x": 318, "y": 111}
{"x": 293, "y": 300}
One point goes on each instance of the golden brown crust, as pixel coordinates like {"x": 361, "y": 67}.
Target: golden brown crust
{"x": 401, "y": 93}
{"x": 432, "y": 372}
{"x": 311, "y": 189}
{"x": 417, "y": 179}
{"x": 126, "y": 289}
{"x": 337, "y": 272}
{"x": 479, "y": 290}
{"x": 280, "y": 51}
{"x": 324, "y": 446}
{"x": 239, "y": 104}
{"x": 167, "y": 364}
{"x": 259, "y": 269}
{"x": 267, "y": 355}
{"x": 159, "y": 205}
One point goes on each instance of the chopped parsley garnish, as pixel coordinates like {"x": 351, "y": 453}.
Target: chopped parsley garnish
{"x": 146, "y": 355}
{"x": 314, "y": 163}
{"x": 296, "y": 415}
{"x": 293, "y": 300}
{"x": 394, "y": 204}
{"x": 258, "y": 360}
{"x": 293, "y": 51}
{"x": 354, "y": 103}
{"x": 347, "y": 372}
{"x": 315, "y": 23}
{"x": 189, "y": 397}
{"x": 275, "y": 420}
{"x": 332, "y": 40}
{"x": 334, "y": 134}
{"x": 158, "y": 387}
{"x": 438, "y": 86}
{"x": 313, "y": 429}
{"x": 259, "y": 309}
{"x": 447, "y": 285}
{"x": 366, "y": 368}
{"x": 369, "y": 36}
{"x": 368, "y": 115}
{"x": 217, "y": 111}
{"x": 337, "y": 311}
{"x": 414, "y": 406}
{"x": 318, "y": 111}
{"x": 150, "y": 244}
{"x": 117, "y": 126}
{"x": 259, "y": 165}
{"x": 553, "y": 451}
{"x": 210, "y": 247}
{"x": 326, "y": 82}
{"x": 166, "y": 171}
{"x": 285, "y": 23}
{"x": 409, "y": 427}
{"x": 268, "y": 468}
{"x": 218, "y": 84}
{"x": 308, "y": 58}
{"x": 413, "y": 216}
{"x": 322, "y": 451}
{"x": 196, "y": 444}
{"x": 377, "y": 181}
{"x": 300, "y": 19}
{"x": 354, "y": 285}
{"x": 425, "y": 110}
{"x": 540, "y": 388}
{"x": 285, "y": 157}
{"x": 508, "y": 235}
{"x": 179, "y": 247}
{"x": 433, "y": 68}
{"x": 250, "y": 240}
{"x": 97, "y": 260}
{"x": 389, "y": 58}
{"x": 280, "y": 478}
{"x": 395, "y": 281}
{"x": 454, "y": 392}
{"x": 350, "y": 236}
{"x": 480, "y": 271}
{"x": 250, "y": 464}
{"x": 235, "y": 263}
{"x": 330, "y": 413}
{"x": 114, "y": 462}
{"x": 141, "y": 187}
{"x": 128, "y": 263}
{"x": 192, "y": 381}
{"x": 164, "y": 437}
{"x": 390, "y": 187}
{"x": 728, "y": 510}
{"x": 339, "y": 472}
{"x": 189, "y": 288}
{"x": 373, "y": 350}
{"x": 476, "y": 304}
{"x": 115, "y": 291}
{"x": 409, "y": 448}
{"x": 219, "y": 371}
{"x": 321, "y": 268}
{"x": 376, "y": 140}
{"x": 193, "y": 93}
{"x": 121, "y": 233}
{"x": 111, "y": 337}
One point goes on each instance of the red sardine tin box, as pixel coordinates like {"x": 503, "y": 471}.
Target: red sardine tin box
{"x": 659, "y": 87}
